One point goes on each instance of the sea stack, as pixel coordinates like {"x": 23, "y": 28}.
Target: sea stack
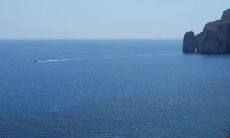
{"x": 215, "y": 38}
{"x": 189, "y": 42}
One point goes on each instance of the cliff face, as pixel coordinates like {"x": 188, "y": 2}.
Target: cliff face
{"x": 215, "y": 38}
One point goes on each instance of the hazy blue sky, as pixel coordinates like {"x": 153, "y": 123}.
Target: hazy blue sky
{"x": 106, "y": 18}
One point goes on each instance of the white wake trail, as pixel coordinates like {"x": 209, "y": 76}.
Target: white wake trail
{"x": 114, "y": 57}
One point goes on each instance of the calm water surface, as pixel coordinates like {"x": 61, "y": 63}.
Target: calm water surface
{"x": 111, "y": 88}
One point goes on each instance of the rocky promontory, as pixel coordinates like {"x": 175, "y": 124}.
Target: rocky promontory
{"x": 215, "y": 38}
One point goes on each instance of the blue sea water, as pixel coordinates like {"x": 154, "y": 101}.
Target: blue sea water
{"x": 111, "y": 88}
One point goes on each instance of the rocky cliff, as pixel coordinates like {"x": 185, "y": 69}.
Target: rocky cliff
{"x": 215, "y": 38}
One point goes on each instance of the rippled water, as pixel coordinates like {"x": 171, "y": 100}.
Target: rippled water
{"x": 111, "y": 88}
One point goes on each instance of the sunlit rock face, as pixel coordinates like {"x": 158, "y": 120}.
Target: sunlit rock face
{"x": 215, "y": 38}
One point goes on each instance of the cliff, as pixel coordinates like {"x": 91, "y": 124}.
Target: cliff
{"x": 215, "y": 38}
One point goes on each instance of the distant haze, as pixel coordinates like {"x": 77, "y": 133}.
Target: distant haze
{"x": 106, "y": 19}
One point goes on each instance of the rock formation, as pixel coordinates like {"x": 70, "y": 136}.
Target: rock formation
{"x": 215, "y": 38}
{"x": 189, "y": 42}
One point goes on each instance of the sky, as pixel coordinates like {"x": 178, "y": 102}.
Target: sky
{"x": 106, "y": 19}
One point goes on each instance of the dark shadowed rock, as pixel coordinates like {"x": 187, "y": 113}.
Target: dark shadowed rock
{"x": 211, "y": 42}
{"x": 215, "y": 38}
{"x": 226, "y": 15}
{"x": 189, "y": 42}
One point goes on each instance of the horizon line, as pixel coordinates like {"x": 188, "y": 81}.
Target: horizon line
{"x": 90, "y": 39}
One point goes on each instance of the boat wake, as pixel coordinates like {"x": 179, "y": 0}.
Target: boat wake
{"x": 112, "y": 57}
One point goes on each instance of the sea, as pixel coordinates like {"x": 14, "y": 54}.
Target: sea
{"x": 111, "y": 89}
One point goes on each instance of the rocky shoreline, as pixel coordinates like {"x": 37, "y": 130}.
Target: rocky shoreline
{"x": 215, "y": 38}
